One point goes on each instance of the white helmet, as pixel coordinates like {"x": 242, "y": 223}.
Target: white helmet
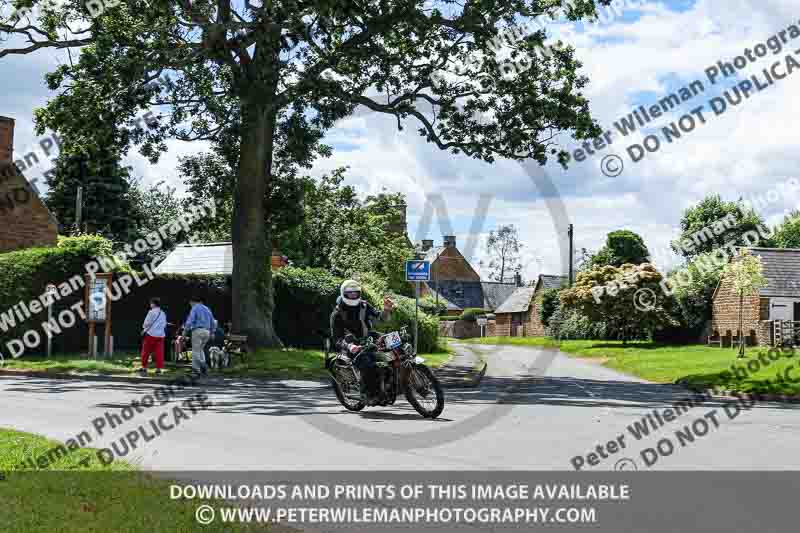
{"x": 350, "y": 291}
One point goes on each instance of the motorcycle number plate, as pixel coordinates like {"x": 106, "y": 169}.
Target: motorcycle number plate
{"x": 393, "y": 340}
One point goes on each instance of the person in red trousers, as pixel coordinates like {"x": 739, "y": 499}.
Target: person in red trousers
{"x": 154, "y": 331}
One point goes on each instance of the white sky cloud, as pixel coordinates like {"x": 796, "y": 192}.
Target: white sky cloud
{"x": 634, "y": 61}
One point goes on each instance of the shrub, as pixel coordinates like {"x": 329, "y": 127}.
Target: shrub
{"x": 304, "y": 299}
{"x": 571, "y": 324}
{"x": 403, "y": 315}
{"x": 472, "y": 313}
{"x": 693, "y": 288}
{"x": 549, "y": 304}
{"x": 429, "y": 305}
{"x": 26, "y": 274}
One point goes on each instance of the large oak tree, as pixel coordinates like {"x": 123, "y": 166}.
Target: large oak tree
{"x": 270, "y": 77}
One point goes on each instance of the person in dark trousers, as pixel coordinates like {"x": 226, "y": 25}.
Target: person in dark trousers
{"x": 351, "y": 321}
{"x": 153, "y": 332}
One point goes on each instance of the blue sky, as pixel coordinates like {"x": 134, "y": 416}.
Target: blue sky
{"x": 631, "y": 60}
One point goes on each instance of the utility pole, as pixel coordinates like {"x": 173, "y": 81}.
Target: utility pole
{"x": 79, "y": 207}
{"x": 571, "y": 259}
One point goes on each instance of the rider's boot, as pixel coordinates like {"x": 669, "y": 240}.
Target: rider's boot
{"x": 369, "y": 376}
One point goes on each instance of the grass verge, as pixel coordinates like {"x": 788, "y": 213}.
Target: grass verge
{"x": 69, "y": 497}
{"x": 289, "y": 363}
{"x": 698, "y": 366}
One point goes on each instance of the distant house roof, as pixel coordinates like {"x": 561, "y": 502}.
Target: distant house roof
{"x": 782, "y": 270}
{"x": 434, "y": 253}
{"x": 551, "y": 282}
{"x": 495, "y": 293}
{"x": 213, "y": 258}
{"x": 519, "y": 302}
{"x": 461, "y": 294}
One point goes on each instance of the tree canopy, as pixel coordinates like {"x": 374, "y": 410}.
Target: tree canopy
{"x": 503, "y": 247}
{"x": 628, "y": 299}
{"x": 266, "y": 80}
{"x": 622, "y": 247}
{"x": 787, "y": 233}
{"x": 714, "y": 223}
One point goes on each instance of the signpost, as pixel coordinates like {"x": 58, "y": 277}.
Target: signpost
{"x": 416, "y": 272}
{"x": 482, "y": 321}
{"x": 98, "y": 310}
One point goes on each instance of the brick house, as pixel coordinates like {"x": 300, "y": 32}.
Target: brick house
{"x": 25, "y": 221}
{"x": 457, "y": 284}
{"x": 778, "y": 301}
{"x": 518, "y": 316}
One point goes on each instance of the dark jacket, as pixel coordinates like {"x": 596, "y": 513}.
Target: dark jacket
{"x": 356, "y": 321}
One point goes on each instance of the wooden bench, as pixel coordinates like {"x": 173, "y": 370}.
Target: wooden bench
{"x": 236, "y": 345}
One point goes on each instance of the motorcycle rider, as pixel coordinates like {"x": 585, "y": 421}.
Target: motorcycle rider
{"x": 351, "y": 320}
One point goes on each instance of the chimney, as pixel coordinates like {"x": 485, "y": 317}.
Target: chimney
{"x": 427, "y": 244}
{"x": 450, "y": 241}
{"x": 6, "y": 140}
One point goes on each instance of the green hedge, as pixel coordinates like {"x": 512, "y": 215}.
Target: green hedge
{"x": 471, "y": 314}
{"x": 305, "y": 297}
{"x": 26, "y": 274}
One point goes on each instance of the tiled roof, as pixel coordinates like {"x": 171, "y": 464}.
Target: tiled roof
{"x": 433, "y": 254}
{"x": 782, "y": 270}
{"x": 494, "y": 293}
{"x": 552, "y": 282}
{"x": 216, "y": 258}
{"x": 462, "y": 294}
{"x": 519, "y": 302}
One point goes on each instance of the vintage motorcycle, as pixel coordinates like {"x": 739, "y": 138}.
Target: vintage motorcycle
{"x": 400, "y": 370}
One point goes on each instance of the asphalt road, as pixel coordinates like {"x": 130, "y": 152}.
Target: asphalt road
{"x": 535, "y": 409}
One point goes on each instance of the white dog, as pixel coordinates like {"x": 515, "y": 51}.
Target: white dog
{"x": 219, "y": 357}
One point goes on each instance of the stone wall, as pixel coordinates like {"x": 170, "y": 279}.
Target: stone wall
{"x": 502, "y": 325}
{"x": 725, "y": 312}
{"x": 459, "y": 329}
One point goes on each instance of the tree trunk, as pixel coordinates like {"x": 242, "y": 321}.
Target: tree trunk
{"x": 253, "y": 301}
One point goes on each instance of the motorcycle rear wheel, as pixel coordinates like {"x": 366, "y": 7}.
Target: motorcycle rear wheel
{"x": 422, "y": 383}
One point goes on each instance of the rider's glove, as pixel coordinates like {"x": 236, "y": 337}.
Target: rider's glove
{"x": 354, "y": 348}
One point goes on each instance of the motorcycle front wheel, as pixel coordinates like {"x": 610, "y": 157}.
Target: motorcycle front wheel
{"x": 424, "y": 392}
{"x": 348, "y": 388}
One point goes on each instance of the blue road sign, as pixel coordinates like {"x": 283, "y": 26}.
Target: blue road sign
{"x": 418, "y": 271}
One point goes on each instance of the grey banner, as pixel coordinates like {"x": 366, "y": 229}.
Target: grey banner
{"x": 469, "y": 501}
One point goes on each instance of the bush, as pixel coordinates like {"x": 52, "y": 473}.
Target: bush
{"x": 571, "y": 324}
{"x": 311, "y": 294}
{"x": 429, "y": 305}
{"x": 472, "y": 313}
{"x": 26, "y": 274}
{"x": 304, "y": 299}
{"x": 549, "y": 304}
{"x": 403, "y": 315}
